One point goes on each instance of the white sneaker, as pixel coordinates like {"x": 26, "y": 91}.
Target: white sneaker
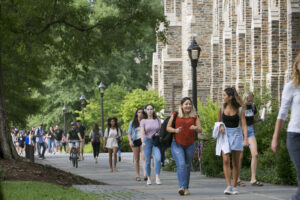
{"x": 228, "y": 190}
{"x": 235, "y": 190}
{"x": 158, "y": 182}
{"x": 149, "y": 182}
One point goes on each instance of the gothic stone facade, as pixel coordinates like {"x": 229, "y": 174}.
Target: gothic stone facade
{"x": 243, "y": 42}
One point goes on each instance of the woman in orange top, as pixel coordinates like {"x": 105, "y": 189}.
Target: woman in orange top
{"x": 187, "y": 122}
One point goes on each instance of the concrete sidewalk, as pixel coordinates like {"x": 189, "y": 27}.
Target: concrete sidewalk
{"x": 122, "y": 184}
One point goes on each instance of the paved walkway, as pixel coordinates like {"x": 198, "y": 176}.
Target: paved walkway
{"x": 122, "y": 184}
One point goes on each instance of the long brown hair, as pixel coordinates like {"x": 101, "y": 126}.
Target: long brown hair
{"x": 296, "y": 72}
{"x": 96, "y": 129}
{"x": 236, "y": 100}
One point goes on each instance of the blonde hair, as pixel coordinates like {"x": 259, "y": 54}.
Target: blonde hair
{"x": 180, "y": 111}
{"x": 246, "y": 96}
{"x": 296, "y": 72}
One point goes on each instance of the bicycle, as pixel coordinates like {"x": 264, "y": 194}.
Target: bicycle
{"x": 196, "y": 163}
{"x": 74, "y": 154}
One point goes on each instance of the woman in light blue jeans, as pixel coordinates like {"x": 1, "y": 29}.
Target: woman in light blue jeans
{"x": 149, "y": 127}
{"x": 290, "y": 100}
{"x": 182, "y": 147}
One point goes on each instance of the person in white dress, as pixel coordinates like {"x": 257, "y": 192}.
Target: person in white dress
{"x": 111, "y": 136}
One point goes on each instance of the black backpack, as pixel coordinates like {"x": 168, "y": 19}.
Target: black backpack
{"x": 165, "y": 138}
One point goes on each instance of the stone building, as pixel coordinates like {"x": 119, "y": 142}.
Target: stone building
{"x": 243, "y": 42}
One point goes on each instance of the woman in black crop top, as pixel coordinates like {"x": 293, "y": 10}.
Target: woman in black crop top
{"x": 233, "y": 116}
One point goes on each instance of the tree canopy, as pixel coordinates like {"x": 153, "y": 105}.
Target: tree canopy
{"x": 54, "y": 51}
{"x": 49, "y": 51}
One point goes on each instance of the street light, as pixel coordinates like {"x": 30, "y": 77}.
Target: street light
{"x": 194, "y": 52}
{"x": 64, "y": 109}
{"x": 101, "y": 88}
{"x": 83, "y": 105}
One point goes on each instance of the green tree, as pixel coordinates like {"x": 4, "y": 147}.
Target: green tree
{"x": 113, "y": 97}
{"x": 38, "y": 37}
{"x": 138, "y": 99}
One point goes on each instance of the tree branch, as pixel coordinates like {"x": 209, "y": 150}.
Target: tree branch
{"x": 82, "y": 29}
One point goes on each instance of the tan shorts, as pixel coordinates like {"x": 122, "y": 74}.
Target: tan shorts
{"x": 81, "y": 144}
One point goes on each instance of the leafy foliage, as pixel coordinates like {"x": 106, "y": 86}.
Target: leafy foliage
{"x": 46, "y": 47}
{"x": 138, "y": 99}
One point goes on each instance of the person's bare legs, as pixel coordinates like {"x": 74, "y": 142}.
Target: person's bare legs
{"x": 235, "y": 165}
{"x": 136, "y": 153}
{"x": 240, "y": 167}
{"x": 115, "y": 149}
{"x": 143, "y": 160}
{"x": 254, "y": 156}
{"x": 226, "y": 168}
{"x": 110, "y": 159}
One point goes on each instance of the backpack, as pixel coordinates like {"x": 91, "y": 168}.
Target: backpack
{"x": 165, "y": 138}
{"x": 119, "y": 138}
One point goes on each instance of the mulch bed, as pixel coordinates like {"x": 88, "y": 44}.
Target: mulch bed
{"x": 22, "y": 170}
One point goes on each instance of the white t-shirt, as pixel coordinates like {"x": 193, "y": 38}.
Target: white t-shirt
{"x": 290, "y": 100}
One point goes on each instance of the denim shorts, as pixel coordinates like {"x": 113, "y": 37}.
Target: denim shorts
{"x": 250, "y": 131}
{"x": 235, "y": 138}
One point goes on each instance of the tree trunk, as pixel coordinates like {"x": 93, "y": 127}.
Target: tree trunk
{"x": 7, "y": 149}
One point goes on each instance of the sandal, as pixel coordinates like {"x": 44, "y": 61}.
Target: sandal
{"x": 138, "y": 178}
{"x": 240, "y": 184}
{"x": 257, "y": 183}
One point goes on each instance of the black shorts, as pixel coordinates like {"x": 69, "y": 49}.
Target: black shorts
{"x": 137, "y": 143}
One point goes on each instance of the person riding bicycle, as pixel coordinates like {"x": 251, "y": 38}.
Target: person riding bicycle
{"x": 73, "y": 136}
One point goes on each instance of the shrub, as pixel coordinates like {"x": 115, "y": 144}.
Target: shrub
{"x": 125, "y": 145}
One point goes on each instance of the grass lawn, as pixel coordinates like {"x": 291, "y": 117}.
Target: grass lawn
{"x": 29, "y": 190}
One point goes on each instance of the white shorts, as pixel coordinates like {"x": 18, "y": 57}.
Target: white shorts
{"x": 58, "y": 143}
{"x": 72, "y": 142}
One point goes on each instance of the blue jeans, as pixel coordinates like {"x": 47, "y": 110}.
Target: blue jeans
{"x": 183, "y": 156}
{"x": 119, "y": 148}
{"x": 148, "y": 149}
{"x": 51, "y": 143}
{"x": 39, "y": 145}
{"x": 293, "y": 145}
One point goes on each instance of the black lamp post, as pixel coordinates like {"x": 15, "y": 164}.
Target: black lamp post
{"x": 101, "y": 88}
{"x": 83, "y": 105}
{"x": 64, "y": 109}
{"x": 194, "y": 52}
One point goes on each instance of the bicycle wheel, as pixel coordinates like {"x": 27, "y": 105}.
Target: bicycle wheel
{"x": 76, "y": 163}
{"x": 73, "y": 161}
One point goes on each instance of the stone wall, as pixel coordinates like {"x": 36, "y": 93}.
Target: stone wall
{"x": 244, "y": 43}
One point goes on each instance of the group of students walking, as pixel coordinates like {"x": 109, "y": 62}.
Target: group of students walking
{"x": 233, "y": 131}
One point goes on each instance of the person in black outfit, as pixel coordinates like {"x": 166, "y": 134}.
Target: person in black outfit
{"x": 95, "y": 136}
{"x": 74, "y": 136}
{"x": 82, "y": 130}
{"x": 59, "y": 134}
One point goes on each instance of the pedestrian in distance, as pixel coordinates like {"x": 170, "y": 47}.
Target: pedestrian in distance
{"x": 290, "y": 100}
{"x": 251, "y": 119}
{"x": 74, "y": 138}
{"x": 150, "y": 127}
{"x": 59, "y": 135}
{"x": 82, "y": 130}
{"x": 95, "y": 136}
{"x": 39, "y": 135}
{"x": 111, "y": 135}
{"x": 182, "y": 147}
{"x": 232, "y": 114}
{"x": 135, "y": 141}
{"x": 51, "y": 140}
